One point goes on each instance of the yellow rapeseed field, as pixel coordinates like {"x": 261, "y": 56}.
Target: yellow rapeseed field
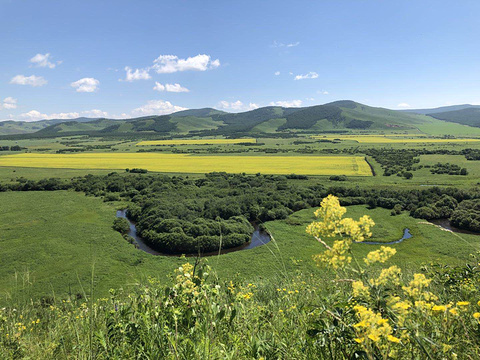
{"x": 385, "y": 139}
{"x": 185, "y": 163}
{"x": 197, "y": 142}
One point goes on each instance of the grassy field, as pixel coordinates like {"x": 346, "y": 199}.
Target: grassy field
{"x": 308, "y": 165}
{"x": 197, "y": 142}
{"x": 51, "y": 241}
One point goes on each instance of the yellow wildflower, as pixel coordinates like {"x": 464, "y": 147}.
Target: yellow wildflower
{"x": 388, "y": 276}
{"x": 360, "y": 290}
{"x": 453, "y": 311}
{"x": 393, "y": 339}
{"x": 381, "y": 255}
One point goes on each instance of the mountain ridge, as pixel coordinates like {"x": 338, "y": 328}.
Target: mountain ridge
{"x": 342, "y": 115}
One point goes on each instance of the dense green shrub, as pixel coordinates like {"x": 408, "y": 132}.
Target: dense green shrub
{"x": 121, "y": 225}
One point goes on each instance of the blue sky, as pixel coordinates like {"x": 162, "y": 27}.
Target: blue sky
{"x": 69, "y": 58}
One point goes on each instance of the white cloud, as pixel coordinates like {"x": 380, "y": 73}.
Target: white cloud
{"x": 157, "y": 107}
{"x": 324, "y": 92}
{"x": 35, "y": 115}
{"x": 236, "y": 106}
{"x": 177, "y": 88}
{"x": 403, "y": 105}
{"x": 310, "y": 75}
{"x": 85, "y": 85}
{"x": 64, "y": 116}
{"x": 95, "y": 113}
{"x": 158, "y": 86}
{"x": 32, "y": 80}
{"x": 277, "y": 73}
{"x": 287, "y": 103}
{"x": 279, "y": 44}
{"x": 310, "y": 99}
{"x": 138, "y": 74}
{"x": 43, "y": 60}
{"x": 9, "y": 103}
{"x": 166, "y": 64}
{"x": 32, "y": 115}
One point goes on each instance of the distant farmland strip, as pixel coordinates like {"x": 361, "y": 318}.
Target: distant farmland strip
{"x": 184, "y": 163}
{"x": 197, "y": 142}
{"x": 380, "y": 139}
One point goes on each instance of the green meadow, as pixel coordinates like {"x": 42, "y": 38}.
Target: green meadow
{"x": 74, "y": 233}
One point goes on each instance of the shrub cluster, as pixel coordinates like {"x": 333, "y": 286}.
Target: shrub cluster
{"x": 449, "y": 169}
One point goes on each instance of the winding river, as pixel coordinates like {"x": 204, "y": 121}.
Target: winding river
{"x": 258, "y": 238}
{"x": 406, "y": 235}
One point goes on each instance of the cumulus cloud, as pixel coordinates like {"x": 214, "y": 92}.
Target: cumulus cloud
{"x": 43, "y": 60}
{"x": 35, "y": 115}
{"x": 157, "y": 107}
{"x": 237, "y": 106}
{"x": 287, "y": 103}
{"x": 324, "y": 92}
{"x": 310, "y": 75}
{"x": 9, "y": 103}
{"x": 277, "y": 73}
{"x": 86, "y": 85}
{"x": 177, "y": 88}
{"x": 64, "y": 116}
{"x": 310, "y": 99}
{"x": 403, "y": 105}
{"x": 166, "y": 64}
{"x": 277, "y": 44}
{"x": 32, "y": 115}
{"x": 32, "y": 80}
{"x": 95, "y": 113}
{"x": 138, "y": 74}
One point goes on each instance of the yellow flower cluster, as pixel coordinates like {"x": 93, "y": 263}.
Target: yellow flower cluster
{"x": 416, "y": 287}
{"x": 387, "y": 276}
{"x": 381, "y": 255}
{"x": 372, "y": 327}
{"x": 336, "y": 256}
{"x": 333, "y": 224}
{"x": 360, "y": 290}
{"x": 401, "y": 308}
{"x": 184, "y": 280}
{"x": 331, "y": 213}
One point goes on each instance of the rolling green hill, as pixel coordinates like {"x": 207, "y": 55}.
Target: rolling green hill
{"x": 469, "y": 116}
{"x": 338, "y": 116}
{"x": 441, "y": 109}
{"x": 25, "y": 127}
{"x": 205, "y": 112}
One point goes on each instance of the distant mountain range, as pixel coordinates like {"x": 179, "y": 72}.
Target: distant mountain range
{"x": 441, "y": 109}
{"x": 465, "y": 114}
{"x": 337, "y": 116}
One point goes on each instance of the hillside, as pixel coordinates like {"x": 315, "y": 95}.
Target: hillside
{"x": 441, "y": 109}
{"x": 469, "y": 116}
{"x": 25, "y": 127}
{"x": 338, "y": 116}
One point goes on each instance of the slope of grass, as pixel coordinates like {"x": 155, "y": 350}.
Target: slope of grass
{"x": 470, "y": 116}
{"x": 186, "y": 124}
{"x": 51, "y": 241}
{"x": 433, "y": 126}
{"x": 269, "y": 126}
